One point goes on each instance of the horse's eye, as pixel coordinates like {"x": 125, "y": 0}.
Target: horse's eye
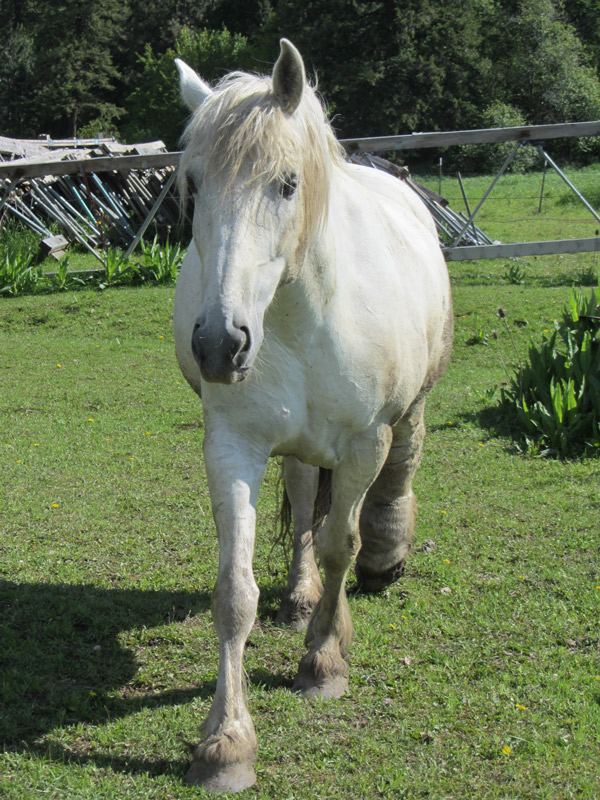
{"x": 289, "y": 184}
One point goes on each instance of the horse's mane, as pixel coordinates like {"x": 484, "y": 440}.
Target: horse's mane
{"x": 241, "y": 123}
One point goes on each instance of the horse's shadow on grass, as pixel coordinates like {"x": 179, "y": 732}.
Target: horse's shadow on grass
{"x": 61, "y": 661}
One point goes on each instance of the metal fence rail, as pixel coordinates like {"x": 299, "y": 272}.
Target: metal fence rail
{"x": 107, "y": 187}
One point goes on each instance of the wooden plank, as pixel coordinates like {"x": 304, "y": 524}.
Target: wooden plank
{"x": 21, "y": 147}
{"x": 516, "y": 249}
{"x": 15, "y": 170}
{"x": 529, "y": 133}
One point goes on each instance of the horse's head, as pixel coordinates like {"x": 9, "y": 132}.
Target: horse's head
{"x": 257, "y": 161}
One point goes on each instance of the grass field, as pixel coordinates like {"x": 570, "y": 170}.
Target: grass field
{"x": 476, "y": 676}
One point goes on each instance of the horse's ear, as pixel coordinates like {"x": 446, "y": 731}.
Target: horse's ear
{"x": 288, "y": 77}
{"x": 193, "y": 89}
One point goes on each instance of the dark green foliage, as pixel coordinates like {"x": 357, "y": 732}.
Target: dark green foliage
{"x": 555, "y": 398}
{"x": 390, "y": 67}
{"x": 488, "y": 157}
{"x": 155, "y": 108}
{"x": 385, "y": 67}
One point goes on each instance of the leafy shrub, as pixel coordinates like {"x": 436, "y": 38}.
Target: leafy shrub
{"x": 19, "y": 273}
{"x": 161, "y": 262}
{"x": 555, "y": 398}
{"x": 155, "y": 109}
{"x": 119, "y": 270}
{"x": 488, "y": 158}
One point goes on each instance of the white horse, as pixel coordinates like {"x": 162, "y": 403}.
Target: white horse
{"x": 312, "y": 315}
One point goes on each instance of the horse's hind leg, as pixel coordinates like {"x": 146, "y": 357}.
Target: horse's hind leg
{"x": 387, "y": 519}
{"x": 304, "y": 586}
{"x": 323, "y": 670}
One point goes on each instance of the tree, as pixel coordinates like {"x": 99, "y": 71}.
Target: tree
{"x": 544, "y": 70}
{"x": 155, "y": 110}
{"x": 74, "y": 68}
{"x": 390, "y": 66}
{"x": 17, "y": 95}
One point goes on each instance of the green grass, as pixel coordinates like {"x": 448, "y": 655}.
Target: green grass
{"x": 108, "y": 656}
{"x": 510, "y": 213}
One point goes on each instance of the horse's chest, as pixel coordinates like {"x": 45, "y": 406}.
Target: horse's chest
{"x": 320, "y": 414}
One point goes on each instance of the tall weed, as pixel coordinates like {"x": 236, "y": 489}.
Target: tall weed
{"x": 161, "y": 263}
{"x": 554, "y": 399}
{"x": 19, "y": 273}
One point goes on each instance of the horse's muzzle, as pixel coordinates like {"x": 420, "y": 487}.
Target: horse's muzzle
{"x": 223, "y": 356}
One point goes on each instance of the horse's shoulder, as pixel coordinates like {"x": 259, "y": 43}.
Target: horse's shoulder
{"x": 386, "y": 190}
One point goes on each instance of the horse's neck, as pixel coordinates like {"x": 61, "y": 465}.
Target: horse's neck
{"x": 306, "y": 299}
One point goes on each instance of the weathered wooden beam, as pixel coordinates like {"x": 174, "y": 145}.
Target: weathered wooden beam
{"x": 15, "y": 170}
{"x": 516, "y": 249}
{"x": 528, "y": 133}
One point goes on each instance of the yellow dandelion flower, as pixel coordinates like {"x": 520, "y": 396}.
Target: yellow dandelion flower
{"x": 444, "y": 512}
{"x": 522, "y": 708}
{"x": 90, "y": 419}
{"x": 54, "y": 505}
{"x": 35, "y": 444}
{"x": 59, "y": 365}
{"x": 393, "y": 627}
{"x": 506, "y": 750}
{"x": 447, "y": 560}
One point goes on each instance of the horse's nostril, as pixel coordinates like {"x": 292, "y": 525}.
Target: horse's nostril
{"x": 247, "y": 344}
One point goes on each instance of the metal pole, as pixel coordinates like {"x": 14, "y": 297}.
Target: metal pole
{"x": 503, "y": 169}
{"x": 466, "y": 202}
{"x": 568, "y": 182}
{"x": 150, "y": 216}
{"x": 542, "y": 189}
{"x": 28, "y": 221}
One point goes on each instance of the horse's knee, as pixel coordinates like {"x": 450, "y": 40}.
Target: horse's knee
{"x": 234, "y": 602}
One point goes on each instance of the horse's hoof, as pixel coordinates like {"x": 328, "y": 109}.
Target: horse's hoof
{"x": 327, "y": 688}
{"x": 374, "y": 582}
{"x": 217, "y": 779}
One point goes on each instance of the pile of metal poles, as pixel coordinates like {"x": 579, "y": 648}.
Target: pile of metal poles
{"x": 449, "y": 223}
{"x": 95, "y": 209}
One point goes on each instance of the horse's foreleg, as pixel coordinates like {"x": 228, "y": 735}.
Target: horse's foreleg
{"x": 387, "y": 519}
{"x": 224, "y": 760}
{"x": 323, "y": 669}
{"x": 304, "y": 586}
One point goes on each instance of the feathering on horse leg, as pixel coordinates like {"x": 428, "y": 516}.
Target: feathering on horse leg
{"x": 387, "y": 520}
{"x": 304, "y": 587}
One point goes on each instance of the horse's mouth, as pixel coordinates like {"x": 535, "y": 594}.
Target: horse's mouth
{"x": 226, "y": 377}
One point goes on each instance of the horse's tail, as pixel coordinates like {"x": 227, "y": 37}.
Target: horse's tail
{"x": 285, "y": 536}
{"x": 323, "y": 500}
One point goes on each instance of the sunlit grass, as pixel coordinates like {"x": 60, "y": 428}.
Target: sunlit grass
{"x": 478, "y": 675}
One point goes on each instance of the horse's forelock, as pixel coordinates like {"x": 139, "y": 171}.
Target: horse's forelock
{"x": 242, "y": 124}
